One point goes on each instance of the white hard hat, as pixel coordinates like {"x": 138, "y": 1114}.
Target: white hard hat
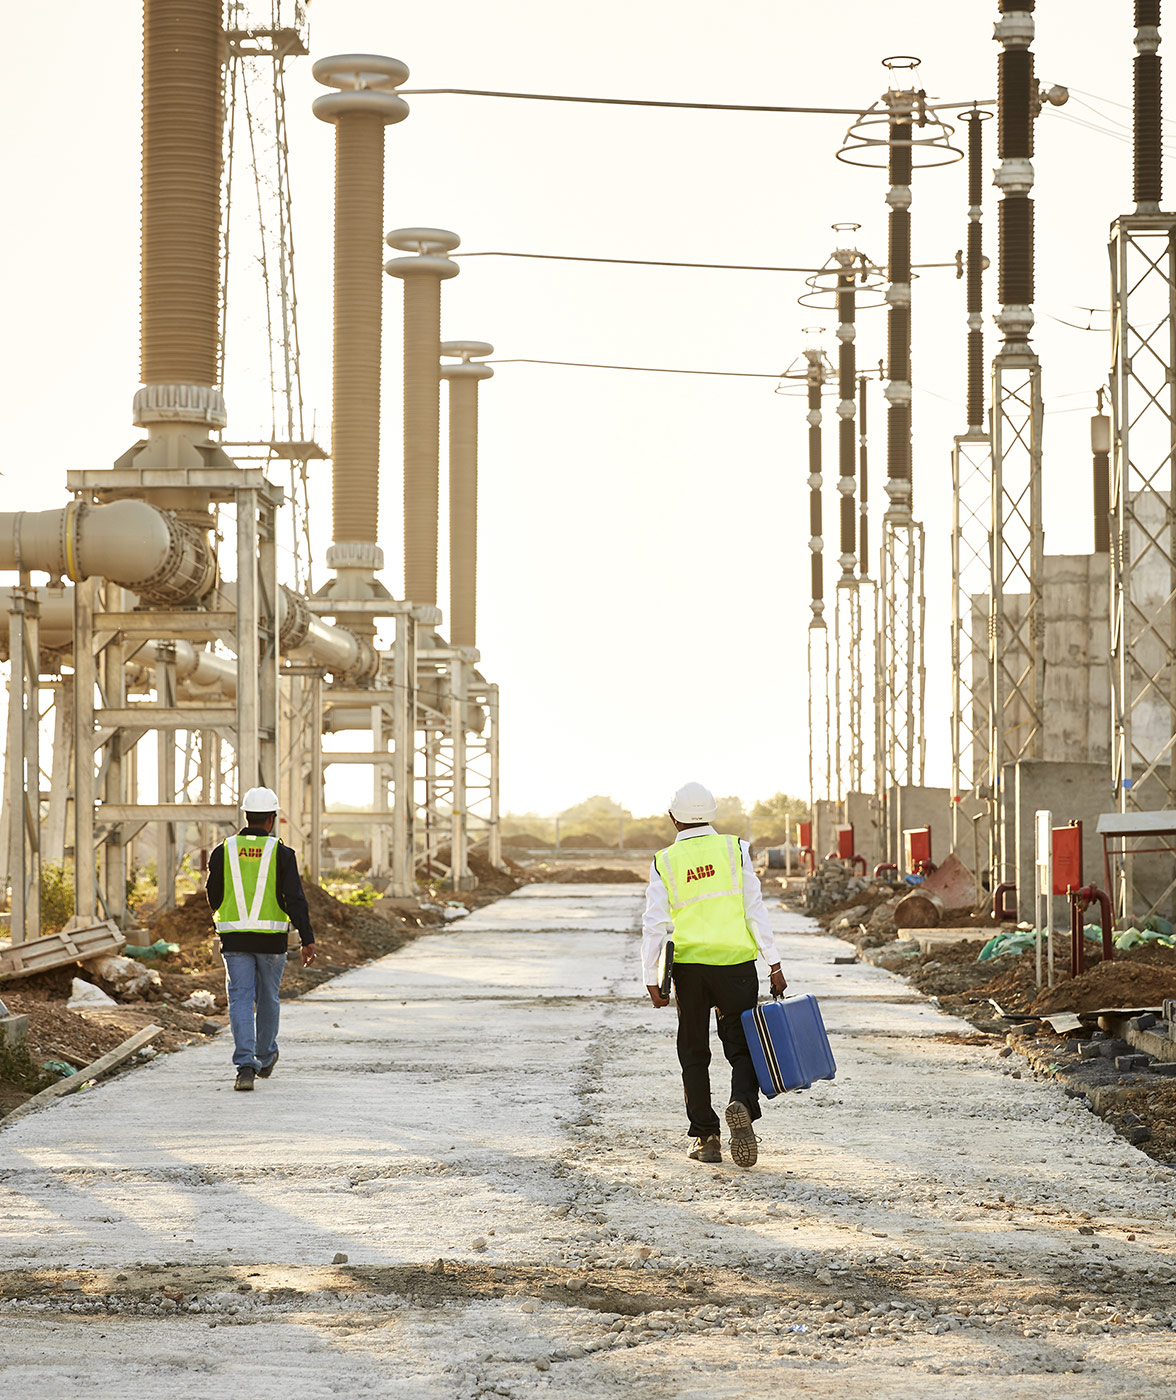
{"x": 693, "y": 803}
{"x": 260, "y": 800}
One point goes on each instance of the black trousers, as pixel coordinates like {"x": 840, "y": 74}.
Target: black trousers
{"x": 731, "y": 991}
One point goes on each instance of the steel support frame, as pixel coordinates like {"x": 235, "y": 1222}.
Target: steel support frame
{"x": 1016, "y": 628}
{"x": 901, "y": 670}
{"x": 1143, "y": 528}
{"x": 107, "y": 810}
{"x": 23, "y": 767}
{"x": 848, "y": 714}
{"x": 971, "y": 588}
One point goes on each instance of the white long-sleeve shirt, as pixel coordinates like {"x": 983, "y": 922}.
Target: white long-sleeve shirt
{"x": 656, "y": 924}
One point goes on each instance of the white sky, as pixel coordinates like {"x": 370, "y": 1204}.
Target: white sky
{"x": 644, "y": 561}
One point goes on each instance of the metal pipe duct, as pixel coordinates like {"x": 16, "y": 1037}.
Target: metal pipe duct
{"x": 182, "y": 120}
{"x": 204, "y": 668}
{"x": 422, "y": 276}
{"x": 363, "y": 106}
{"x": 463, "y": 485}
{"x": 131, "y": 543}
{"x": 304, "y": 634}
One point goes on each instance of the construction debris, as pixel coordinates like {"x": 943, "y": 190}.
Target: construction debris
{"x": 88, "y": 1074}
{"x": 60, "y": 949}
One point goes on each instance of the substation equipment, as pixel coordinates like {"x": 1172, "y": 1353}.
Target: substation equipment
{"x": 163, "y": 614}
{"x": 901, "y": 134}
{"x": 1143, "y": 481}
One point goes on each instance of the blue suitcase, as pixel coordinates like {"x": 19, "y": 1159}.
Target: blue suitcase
{"x": 788, "y": 1044}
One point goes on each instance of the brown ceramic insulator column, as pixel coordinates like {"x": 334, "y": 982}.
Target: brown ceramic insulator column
{"x": 182, "y": 120}
{"x": 1014, "y": 178}
{"x": 815, "y": 377}
{"x": 1146, "y": 109}
{"x": 846, "y": 295}
{"x": 464, "y": 379}
{"x": 363, "y": 105}
{"x": 422, "y": 277}
{"x": 1100, "y": 451}
{"x": 973, "y": 272}
{"x": 898, "y": 317}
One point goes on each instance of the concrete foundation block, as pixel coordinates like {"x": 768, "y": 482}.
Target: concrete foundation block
{"x": 14, "y": 1030}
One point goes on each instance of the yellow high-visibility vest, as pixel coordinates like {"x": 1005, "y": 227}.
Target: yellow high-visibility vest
{"x": 250, "y": 902}
{"x": 704, "y": 879}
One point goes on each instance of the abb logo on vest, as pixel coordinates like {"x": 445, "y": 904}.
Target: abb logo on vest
{"x": 249, "y": 852}
{"x": 701, "y": 873}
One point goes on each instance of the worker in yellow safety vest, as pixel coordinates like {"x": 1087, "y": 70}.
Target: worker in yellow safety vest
{"x": 704, "y": 894}
{"x": 256, "y": 892}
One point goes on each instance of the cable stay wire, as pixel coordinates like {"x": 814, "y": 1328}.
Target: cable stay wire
{"x": 639, "y": 369}
{"x": 689, "y": 106}
{"x": 660, "y": 262}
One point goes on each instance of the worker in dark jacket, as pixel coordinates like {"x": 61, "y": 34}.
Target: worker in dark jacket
{"x": 256, "y": 893}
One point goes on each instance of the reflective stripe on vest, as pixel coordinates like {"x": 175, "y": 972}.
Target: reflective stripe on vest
{"x": 704, "y": 880}
{"x": 260, "y": 912}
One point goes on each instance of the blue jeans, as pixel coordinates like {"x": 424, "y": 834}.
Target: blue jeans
{"x": 252, "y": 981}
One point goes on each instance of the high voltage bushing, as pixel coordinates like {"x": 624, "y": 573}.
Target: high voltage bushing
{"x": 422, "y": 277}
{"x": 182, "y": 121}
{"x": 1146, "y": 110}
{"x": 815, "y": 378}
{"x": 361, "y": 108}
{"x": 1014, "y": 178}
{"x": 463, "y": 380}
{"x": 974, "y": 270}
{"x": 898, "y": 295}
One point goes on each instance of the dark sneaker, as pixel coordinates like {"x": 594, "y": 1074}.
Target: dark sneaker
{"x": 744, "y": 1148}
{"x": 707, "y": 1149}
{"x": 267, "y": 1070}
{"x": 244, "y": 1077}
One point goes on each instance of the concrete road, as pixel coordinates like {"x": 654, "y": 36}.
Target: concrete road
{"x": 488, "y": 1126}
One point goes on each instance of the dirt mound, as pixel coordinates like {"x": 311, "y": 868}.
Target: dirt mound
{"x": 584, "y": 841}
{"x": 1110, "y": 984}
{"x": 187, "y": 924}
{"x": 492, "y": 883}
{"x": 584, "y": 875}
{"x": 526, "y": 841}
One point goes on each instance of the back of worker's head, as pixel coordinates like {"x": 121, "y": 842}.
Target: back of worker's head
{"x": 693, "y": 805}
{"x": 259, "y": 804}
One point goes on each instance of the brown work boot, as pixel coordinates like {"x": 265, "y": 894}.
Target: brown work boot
{"x": 707, "y": 1149}
{"x": 744, "y": 1148}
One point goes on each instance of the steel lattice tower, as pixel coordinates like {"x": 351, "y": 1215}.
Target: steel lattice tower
{"x": 971, "y": 474}
{"x": 1143, "y": 523}
{"x": 1017, "y": 622}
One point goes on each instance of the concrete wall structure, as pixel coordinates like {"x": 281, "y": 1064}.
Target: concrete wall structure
{"x": 921, "y": 806}
{"x": 863, "y": 811}
{"x": 1077, "y": 700}
{"x": 1072, "y": 792}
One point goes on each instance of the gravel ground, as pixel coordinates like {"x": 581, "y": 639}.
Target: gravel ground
{"x": 467, "y": 1178}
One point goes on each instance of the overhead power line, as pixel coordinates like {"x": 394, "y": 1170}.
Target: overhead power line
{"x": 691, "y": 106}
{"x": 642, "y": 369}
{"x": 659, "y": 262}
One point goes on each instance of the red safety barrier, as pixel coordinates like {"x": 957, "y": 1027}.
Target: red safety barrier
{"x": 887, "y": 865}
{"x": 999, "y": 909}
{"x": 812, "y": 858}
{"x": 856, "y": 859}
